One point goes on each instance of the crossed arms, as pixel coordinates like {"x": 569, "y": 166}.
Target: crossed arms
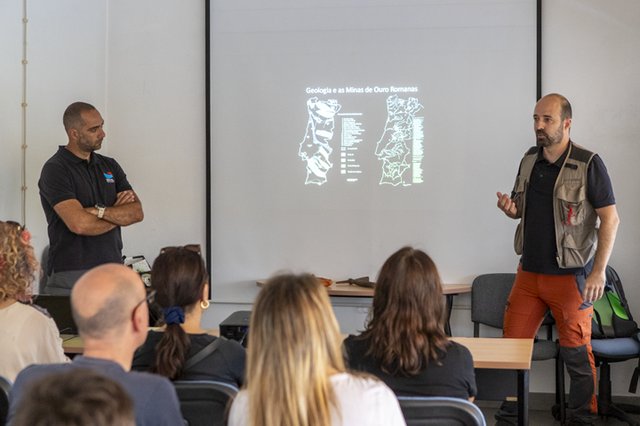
{"x": 84, "y": 220}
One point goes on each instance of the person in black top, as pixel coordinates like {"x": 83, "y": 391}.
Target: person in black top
{"x": 86, "y": 199}
{"x": 564, "y": 200}
{"x": 181, "y": 282}
{"x": 404, "y": 342}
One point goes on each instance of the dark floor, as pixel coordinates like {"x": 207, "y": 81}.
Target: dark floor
{"x": 539, "y": 415}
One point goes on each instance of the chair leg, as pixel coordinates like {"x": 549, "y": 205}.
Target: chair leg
{"x": 606, "y": 407}
{"x": 560, "y": 391}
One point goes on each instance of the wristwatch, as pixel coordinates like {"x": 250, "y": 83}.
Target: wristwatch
{"x": 101, "y": 208}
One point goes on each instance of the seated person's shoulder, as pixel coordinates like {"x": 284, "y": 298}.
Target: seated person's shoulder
{"x": 232, "y": 346}
{"x": 155, "y": 399}
{"x": 149, "y": 388}
{"x": 366, "y": 400}
{"x": 458, "y": 350}
{"x": 355, "y": 344}
{"x": 30, "y": 374}
{"x": 227, "y": 347}
{"x": 355, "y": 348}
{"x": 31, "y": 312}
{"x": 144, "y": 379}
{"x": 359, "y": 384}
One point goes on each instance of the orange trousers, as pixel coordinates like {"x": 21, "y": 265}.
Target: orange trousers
{"x": 532, "y": 294}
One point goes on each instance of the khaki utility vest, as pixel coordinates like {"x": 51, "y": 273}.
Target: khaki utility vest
{"x": 575, "y": 218}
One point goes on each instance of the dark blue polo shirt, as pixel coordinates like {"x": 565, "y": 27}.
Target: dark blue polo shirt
{"x": 539, "y": 252}
{"x": 97, "y": 181}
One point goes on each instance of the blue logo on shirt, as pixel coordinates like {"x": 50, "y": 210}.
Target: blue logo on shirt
{"x": 108, "y": 177}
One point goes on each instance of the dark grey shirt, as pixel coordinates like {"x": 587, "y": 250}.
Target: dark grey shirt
{"x": 226, "y": 364}
{"x": 452, "y": 374}
{"x": 154, "y": 397}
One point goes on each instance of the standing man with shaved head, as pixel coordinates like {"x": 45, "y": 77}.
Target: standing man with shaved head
{"x": 110, "y": 308}
{"x": 561, "y": 193}
{"x": 86, "y": 198}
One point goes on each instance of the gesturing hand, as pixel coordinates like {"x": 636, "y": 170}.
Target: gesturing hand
{"x": 507, "y": 205}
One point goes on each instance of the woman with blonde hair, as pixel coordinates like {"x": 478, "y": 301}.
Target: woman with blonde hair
{"x": 28, "y": 335}
{"x": 295, "y": 368}
{"x": 404, "y": 343}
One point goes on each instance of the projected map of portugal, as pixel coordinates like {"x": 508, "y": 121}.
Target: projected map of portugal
{"x": 315, "y": 148}
{"x": 393, "y": 147}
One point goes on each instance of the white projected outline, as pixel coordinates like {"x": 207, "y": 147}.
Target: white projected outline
{"x": 315, "y": 148}
{"x": 392, "y": 147}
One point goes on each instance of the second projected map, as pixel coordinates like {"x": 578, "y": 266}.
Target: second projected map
{"x": 390, "y": 146}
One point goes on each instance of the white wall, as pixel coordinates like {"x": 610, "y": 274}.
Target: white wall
{"x": 142, "y": 66}
{"x": 590, "y": 54}
{"x": 141, "y": 63}
{"x": 10, "y": 111}
{"x": 60, "y": 69}
{"x": 156, "y": 126}
{"x": 63, "y": 68}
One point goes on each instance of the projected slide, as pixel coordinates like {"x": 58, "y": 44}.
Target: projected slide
{"x": 399, "y": 150}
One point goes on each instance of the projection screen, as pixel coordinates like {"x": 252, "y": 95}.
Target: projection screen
{"x": 343, "y": 130}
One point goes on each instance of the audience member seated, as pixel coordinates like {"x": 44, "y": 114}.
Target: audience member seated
{"x": 110, "y": 308}
{"x": 295, "y": 366}
{"x": 404, "y": 343}
{"x": 76, "y": 397}
{"x": 27, "y": 335}
{"x": 181, "y": 282}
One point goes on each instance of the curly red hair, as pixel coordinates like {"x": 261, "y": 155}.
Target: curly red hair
{"x": 18, "y": 265}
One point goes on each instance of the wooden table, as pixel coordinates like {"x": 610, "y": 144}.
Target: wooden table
{"x": 504, "y": 354}
{"x": 72, "y": 344}
{"x": 352, "y": 290}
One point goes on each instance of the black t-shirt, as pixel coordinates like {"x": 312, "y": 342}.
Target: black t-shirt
{"x": 539, "y": 253}
{"x": 97, "y": 181}
{"x": 451, "y": 375}
{"x": 225, "y": 364}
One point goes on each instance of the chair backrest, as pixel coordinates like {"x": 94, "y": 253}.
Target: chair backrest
{"x": 205, "y": 402}
{"x": 489, "y": 295}
{"x": 440, "y": 411}
{"x": 5, "y": 387}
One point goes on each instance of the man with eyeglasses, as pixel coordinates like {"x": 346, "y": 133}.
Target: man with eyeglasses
{"x": 110, "y": 308}
{"x": 86, "y": 198}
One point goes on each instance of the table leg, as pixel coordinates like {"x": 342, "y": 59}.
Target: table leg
{"x": 523, "y": 397}
{"x": 447, "y": 324}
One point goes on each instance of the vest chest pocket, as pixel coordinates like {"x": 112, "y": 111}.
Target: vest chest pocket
{"x": 571, "y": 201}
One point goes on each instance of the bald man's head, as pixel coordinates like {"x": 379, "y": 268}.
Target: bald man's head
{"x": 103, "y": 299}
{"x": 565, "y": 105}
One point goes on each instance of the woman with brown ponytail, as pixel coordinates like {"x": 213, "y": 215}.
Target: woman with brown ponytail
{"x": 181, "y": 282}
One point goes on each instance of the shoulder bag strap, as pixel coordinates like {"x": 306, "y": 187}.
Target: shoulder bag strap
{"x": 203, "y": 353}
